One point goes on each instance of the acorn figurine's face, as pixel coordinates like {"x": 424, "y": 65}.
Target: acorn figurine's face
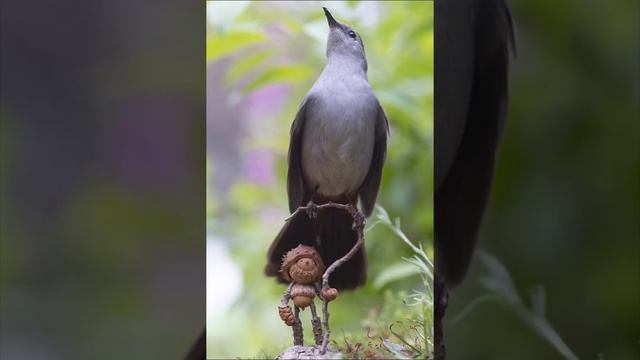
{"x": 302, "y": 265}
{"x": 305, "y": 271}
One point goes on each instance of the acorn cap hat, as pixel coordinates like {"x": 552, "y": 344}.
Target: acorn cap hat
{"x": 293, "y": 255}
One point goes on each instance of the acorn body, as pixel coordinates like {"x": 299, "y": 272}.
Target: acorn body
{"x": 302, "y": 295}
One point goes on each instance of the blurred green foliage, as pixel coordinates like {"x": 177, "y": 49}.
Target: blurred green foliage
{"x": 259, "y": 45}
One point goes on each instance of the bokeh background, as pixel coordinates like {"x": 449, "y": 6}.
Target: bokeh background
{"x": 102, "y": 155}
{"x": 262, "y": 58}
{"x": 564, "y": 212}
{"x": 102, "y": 169}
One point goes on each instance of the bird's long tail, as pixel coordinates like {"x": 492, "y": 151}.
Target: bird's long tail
{"x": 332, "y": 235}
{"x": 297, "y": 230}
{"x": 337, "y": 238}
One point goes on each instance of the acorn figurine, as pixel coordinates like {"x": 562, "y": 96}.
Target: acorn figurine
{"x": 302, "y": 267}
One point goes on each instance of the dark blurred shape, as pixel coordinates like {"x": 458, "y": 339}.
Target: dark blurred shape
{"x": 472, "y": 60}
{"x": 565, "y": 205}
{"x": 472, "y": 40}
{"x": 199, "y": 350}
{"x": 103, "y": 179}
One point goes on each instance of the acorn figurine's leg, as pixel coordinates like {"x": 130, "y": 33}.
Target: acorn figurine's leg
{"x": 297, "y": 329}
{"x": 315, "y": 322}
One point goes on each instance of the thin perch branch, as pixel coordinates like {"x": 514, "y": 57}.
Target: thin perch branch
{"x": 348, "y": 208}
{"x": 358, "y": 226}
{"x": 327, "y": 330}
{"x": 342, "y": 260}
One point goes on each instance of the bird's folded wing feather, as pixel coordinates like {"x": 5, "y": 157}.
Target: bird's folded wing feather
{"x": 296, "y": 189}
{"x": 369, "y": 189}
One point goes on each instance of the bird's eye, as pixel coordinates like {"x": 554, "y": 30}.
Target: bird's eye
{"x": 352, "y": 34}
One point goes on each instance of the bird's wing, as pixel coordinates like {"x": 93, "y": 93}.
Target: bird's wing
{"x": 371, "y": 184}
{"x": 296, "y": 188}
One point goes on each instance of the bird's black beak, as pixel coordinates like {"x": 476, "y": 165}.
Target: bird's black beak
{"x": 332, "y": 22}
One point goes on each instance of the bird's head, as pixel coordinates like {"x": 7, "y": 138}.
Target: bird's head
{"x": 343, "y": 40}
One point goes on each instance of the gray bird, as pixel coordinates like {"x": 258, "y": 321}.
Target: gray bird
{"x": 336, "y": 153}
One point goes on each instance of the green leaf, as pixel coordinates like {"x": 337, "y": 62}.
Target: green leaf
{"x": 244, "y": 66}
{"x": 394, "y": 272}
{"x": 284, "y": 74}
{"x": 218, "y": 46}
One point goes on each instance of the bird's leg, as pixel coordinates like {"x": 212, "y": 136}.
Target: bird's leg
{"x": 297, "y": 328}
{"x": 315, "y": 323}
{"x": 442, "y": 300}
{"x": 312, "y": 210}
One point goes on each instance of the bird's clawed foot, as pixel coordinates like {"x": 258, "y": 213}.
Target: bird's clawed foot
{"x": 312, "y": 210}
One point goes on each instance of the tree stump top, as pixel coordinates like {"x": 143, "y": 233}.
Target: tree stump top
{"x": 299, "y": 352}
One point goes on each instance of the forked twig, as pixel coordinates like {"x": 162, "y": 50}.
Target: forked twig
{"x": 349, "y": 208}
{"x": 358, "y": 226}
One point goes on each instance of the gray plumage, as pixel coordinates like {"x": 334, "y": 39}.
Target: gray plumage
{"x": 336, "y": 153}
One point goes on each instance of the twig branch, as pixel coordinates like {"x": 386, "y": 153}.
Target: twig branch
{"x": 327, "y": 330}
{"x": 342, "y": 260}
{"x": 349, "y": 208}
{"x": 358, "y": 226}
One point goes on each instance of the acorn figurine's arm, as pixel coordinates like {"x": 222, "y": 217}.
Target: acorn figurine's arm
{"x": 287, "y": 295}
{"x": 285, "y": 310}
{"x": 329, "y": 294}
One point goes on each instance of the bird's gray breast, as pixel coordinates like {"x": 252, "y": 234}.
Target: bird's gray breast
{"x": 338, "y": 139}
